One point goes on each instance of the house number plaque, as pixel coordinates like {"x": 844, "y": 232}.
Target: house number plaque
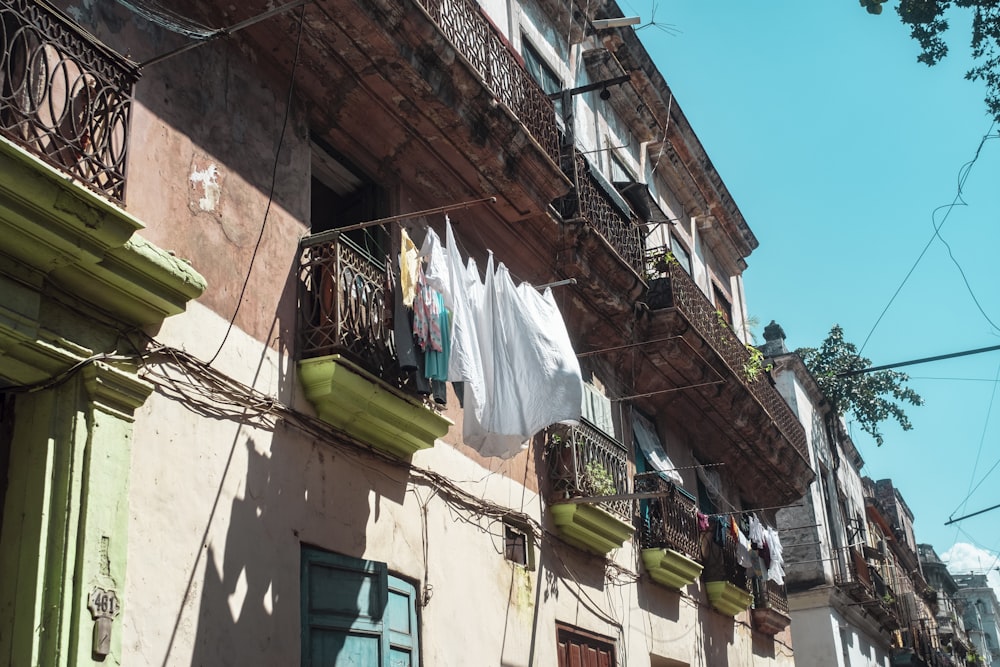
{"x": 103, "y": 606}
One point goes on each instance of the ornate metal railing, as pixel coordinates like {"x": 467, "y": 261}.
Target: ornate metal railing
{"x": 463, "y": 23}
{"x": 854, "y": 573}
{"x": 769, "y": 595}
{"x": 590, "y": 202}
{"x": 585, "y": 462}
{"x": 731, "y": 570}
{"x": 672, "y": 286}
{"x": 345, "y": 306}
{"x": 63, "y": 96}
{"x": 667, "y": 522}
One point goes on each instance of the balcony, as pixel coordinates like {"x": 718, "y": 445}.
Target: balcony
{"x": 668, "y": 533}
{"x": 591, "y": 204}
{"x": 702, "y": 367}
{"x": 64, "y": 97}
{"x": 463, "y": 23}
{"x": 726, "y": 581}
{"x": 585, "y": 463}
{"x": 770, "y": 607}
{"x": 865, "y": 586}
{"x": 348, "y": 361}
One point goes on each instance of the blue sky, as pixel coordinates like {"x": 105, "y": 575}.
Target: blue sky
{"x": 838, "y": 147}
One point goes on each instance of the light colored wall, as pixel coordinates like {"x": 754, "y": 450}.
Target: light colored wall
{"x": 220, "y": 509}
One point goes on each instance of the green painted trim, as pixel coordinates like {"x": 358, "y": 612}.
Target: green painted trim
{"x": 355, "y": 401}
{"x": 85, "y": 245}
{"x": 671, "y": 568}
{"x": 728, "y": 598}
{"x": 65, "y": 529}
{"x": 590, "y": 528}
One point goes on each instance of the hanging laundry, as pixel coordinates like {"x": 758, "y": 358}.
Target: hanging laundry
{"x": 427, "y": 315}
{"x": 777, "y": 570}
{"x": 510, "y": 346}
{"x": 742, "y": 548}
{"x": 436, "y": 271}
{"x": 756, "y": 532}
{"x": 649, "y": 443}
{"x": 408, "y": 265}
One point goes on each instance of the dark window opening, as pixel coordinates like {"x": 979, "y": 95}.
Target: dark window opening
{"x": 722, "y": 305}
{"x": 515, "y": 546}
{"x": 341, "y": 196}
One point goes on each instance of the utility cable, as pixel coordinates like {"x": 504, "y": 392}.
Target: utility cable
{"x": 274, "y": 178}
{"x": 166, "y": 18}
{"x": 956, "y": 201}
{"x": 982, "y": 439}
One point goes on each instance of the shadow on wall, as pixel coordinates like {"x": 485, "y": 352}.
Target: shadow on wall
{"x": 718, "y": 633}
{"x": 246, "y": 586}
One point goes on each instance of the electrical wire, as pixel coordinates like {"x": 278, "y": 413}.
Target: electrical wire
{"x": 963, "y": 175}
{"x": 982, "y": 440}
{"x": 274, "y": 178}
{"x": 166, "y": 18}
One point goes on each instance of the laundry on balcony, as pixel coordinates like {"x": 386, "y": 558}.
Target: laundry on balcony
{"x": 649, "y": 443}
{"x": 510, "y": 347}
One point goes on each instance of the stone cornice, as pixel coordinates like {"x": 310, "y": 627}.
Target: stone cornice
{"x": 85, "y": 246}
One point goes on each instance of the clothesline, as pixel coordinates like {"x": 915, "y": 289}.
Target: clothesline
{"x": 333, "y": 234}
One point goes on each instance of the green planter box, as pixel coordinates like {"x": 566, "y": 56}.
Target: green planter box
{"x": 728, "y": 598}
{"x": 351, "y": 399}
{"x": 590, "y": 528}
{"x": 670, "y": 568}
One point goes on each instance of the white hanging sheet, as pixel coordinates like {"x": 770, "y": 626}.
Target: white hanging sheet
{"x": 511, "y": 348}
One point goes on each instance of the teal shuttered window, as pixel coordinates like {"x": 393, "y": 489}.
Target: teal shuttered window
{"x": 355, "y": 613}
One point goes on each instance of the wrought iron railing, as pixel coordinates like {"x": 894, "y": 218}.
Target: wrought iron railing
{"x": 345, "y": 306}
{"x": 669, "y": 521}
{"x": 853, "y": 572}
{"x": 585, "y": 462}
{"x": 731, "y": 570}
{"x": 63, "y": 96}
{"x": 769, "y": 595}
{"x": 672, "y": 286}
{"x": 590, "y": 202}
{"x": 464, "y": 24}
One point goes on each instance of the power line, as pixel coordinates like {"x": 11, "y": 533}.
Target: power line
{"x": 924, "y": 360}
{"x": 968, "y": 516}
{"x": 274, "y": 179}
{"x": 963, "y": 175}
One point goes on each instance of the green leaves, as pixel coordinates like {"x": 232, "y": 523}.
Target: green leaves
{"x": 871, "y": 397}
{"x": 928, "y": 27}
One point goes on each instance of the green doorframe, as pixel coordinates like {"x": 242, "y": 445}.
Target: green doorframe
{"x": 65, "y": 526}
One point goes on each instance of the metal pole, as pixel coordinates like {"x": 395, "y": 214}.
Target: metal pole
{"x": 225, "y": 32}
{"x": 333, "y": 234}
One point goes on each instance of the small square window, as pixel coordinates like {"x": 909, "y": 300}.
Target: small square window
{"x": 517, "y": 546}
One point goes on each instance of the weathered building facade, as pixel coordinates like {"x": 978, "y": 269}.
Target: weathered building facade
{"x": 856, "y": 591}
{"x": 212, "y": 449}
{"x": 981, "y": 613}
{"x": 954, "y": 644}
{"x": 836, "y": 590}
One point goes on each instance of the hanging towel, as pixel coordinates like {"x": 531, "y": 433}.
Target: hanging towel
{"x": 777, "y": 570}
{"x": 408, "y": 265}
{"x": 436, "y": 271}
